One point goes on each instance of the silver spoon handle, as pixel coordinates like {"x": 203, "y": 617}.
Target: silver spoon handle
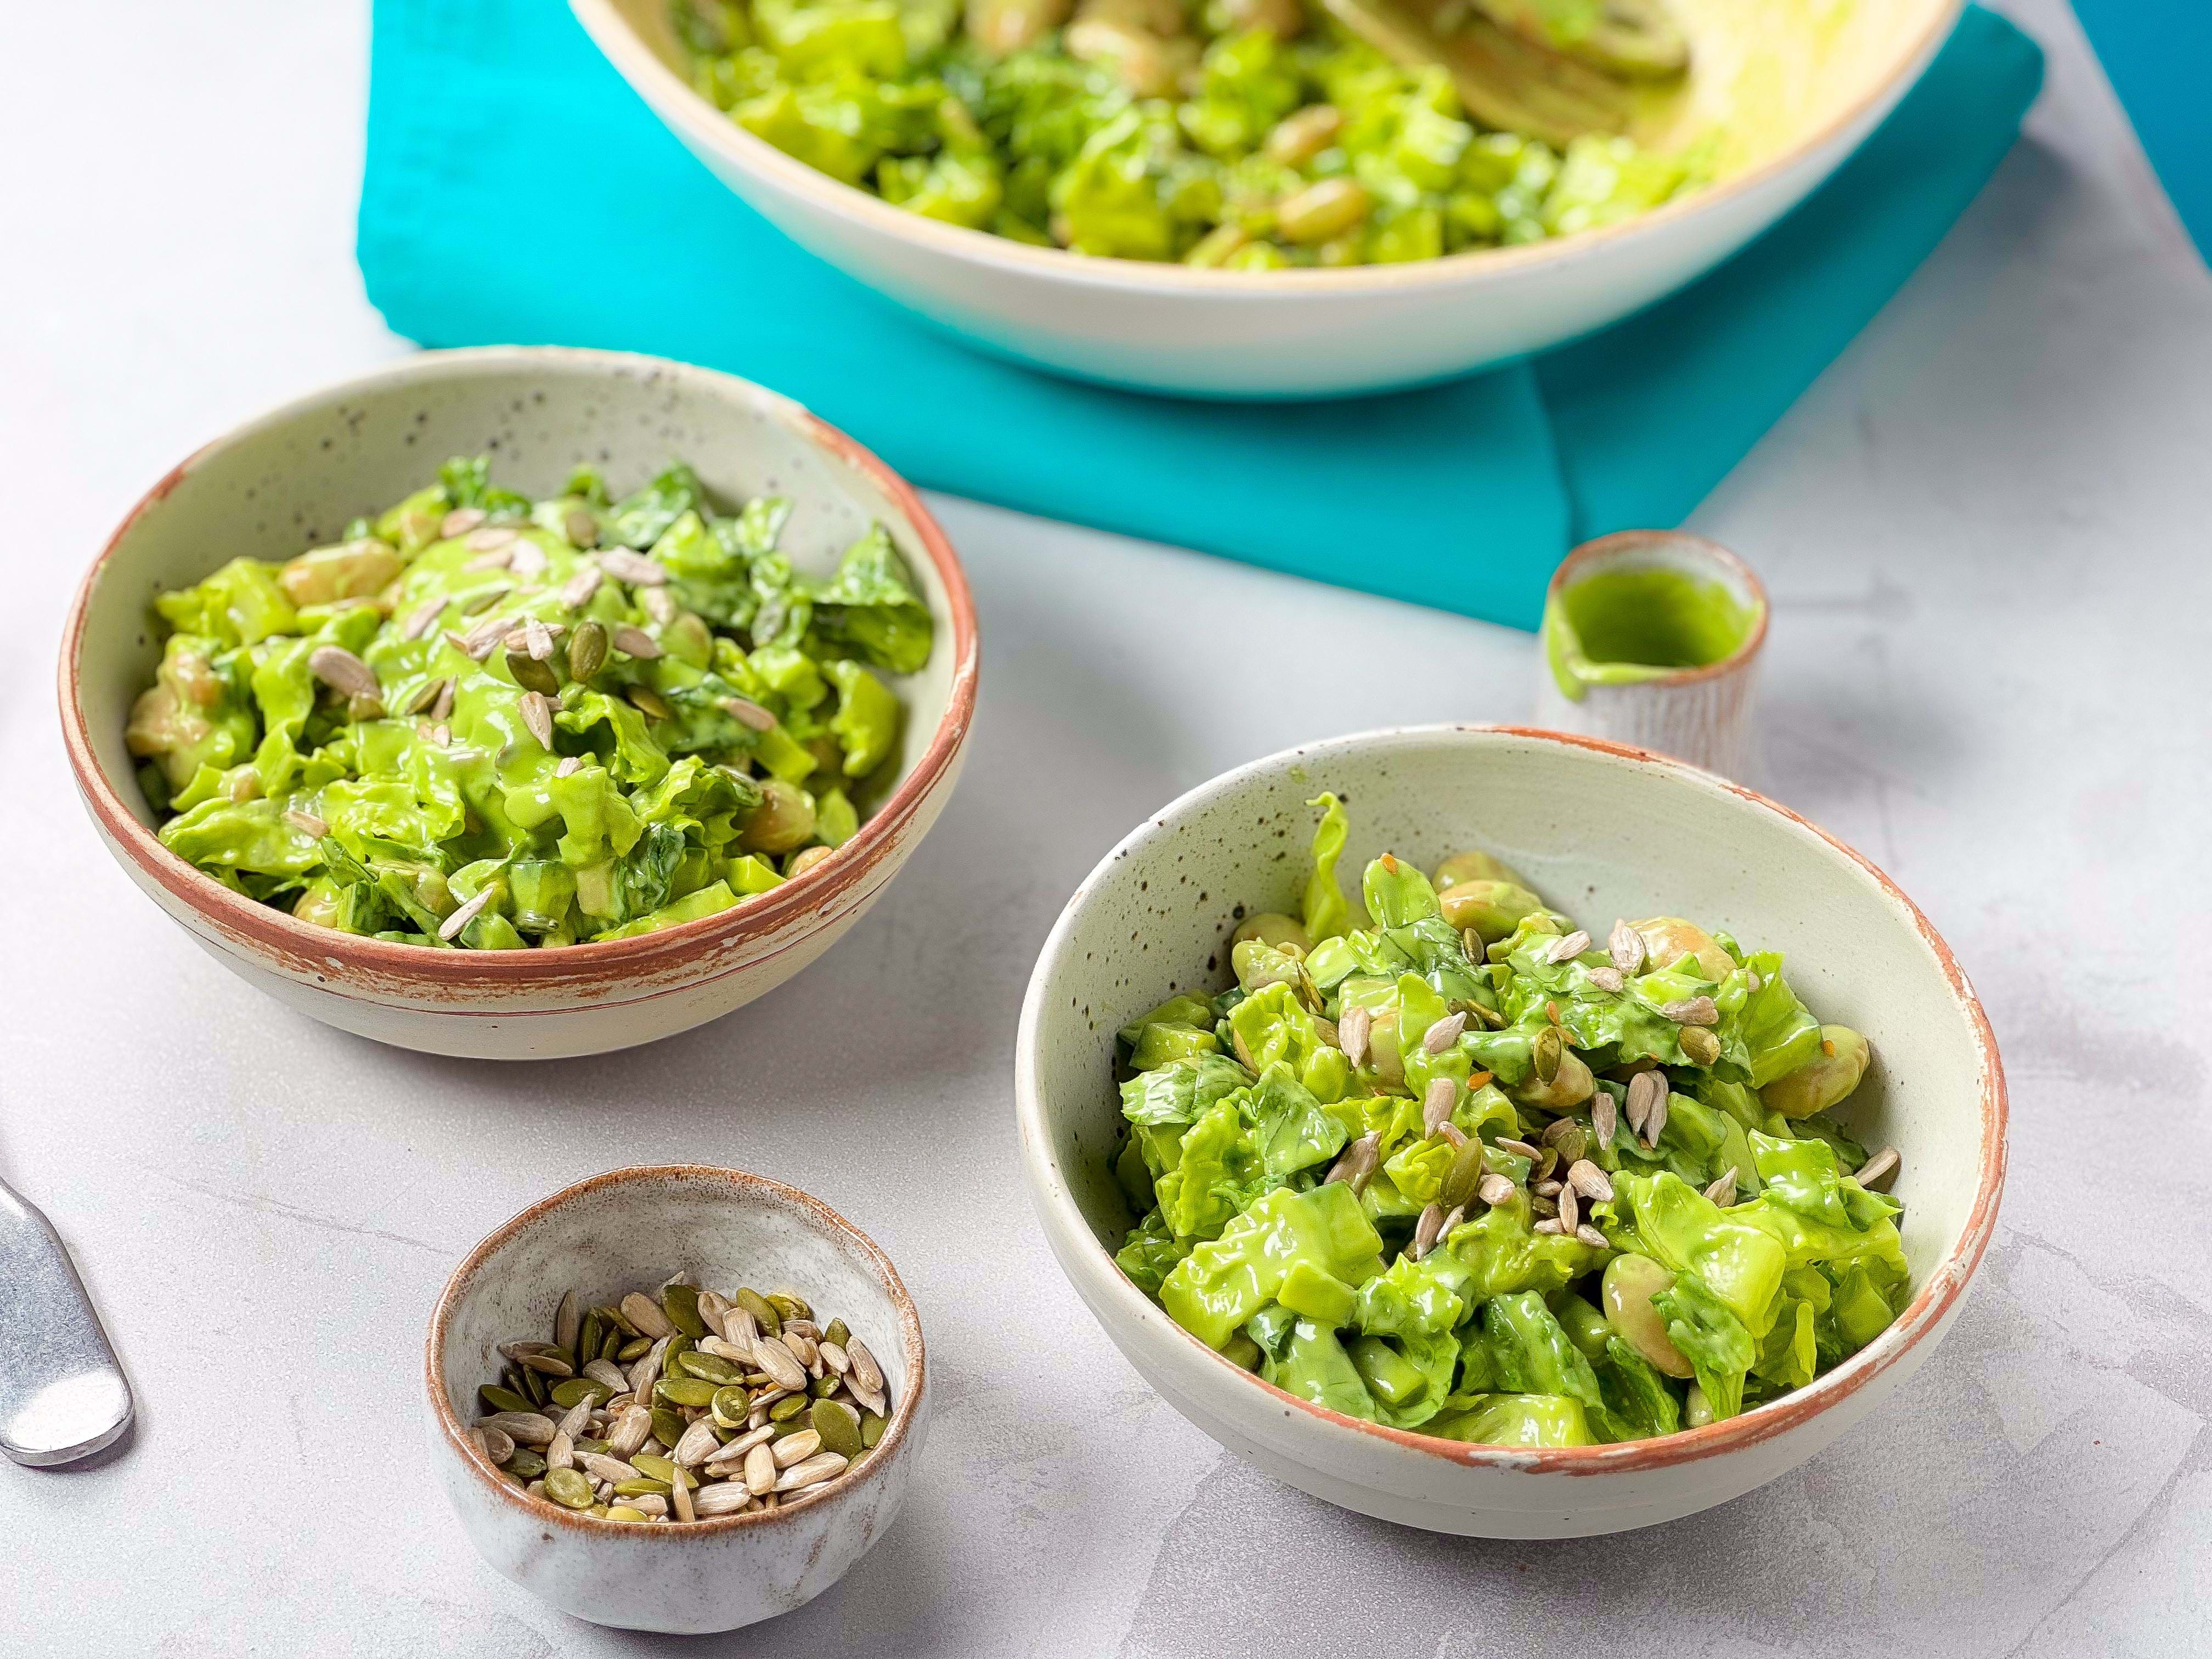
{"x": 63, "y": 1396}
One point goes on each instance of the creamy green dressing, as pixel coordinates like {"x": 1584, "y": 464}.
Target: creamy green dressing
{"x": 1619, "y": 627}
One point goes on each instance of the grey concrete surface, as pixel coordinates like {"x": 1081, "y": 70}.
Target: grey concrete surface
{"x": 1985, "y": 530}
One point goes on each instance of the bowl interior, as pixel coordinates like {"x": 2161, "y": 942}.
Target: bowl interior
{"x": 294, "y": 479}
{"x": 1602, "y": 834}
{"x": 630, "y": 1230}
{"x": 1764, "y": 78}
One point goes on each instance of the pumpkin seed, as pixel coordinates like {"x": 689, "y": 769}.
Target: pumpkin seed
{"x": 668, "y": 1424}
{"x": 681, "y": 1303}
{"x": 825, "y": 1385}
{"x": 710, "y": 1368}
{"x": 872, "y": 1424}
{"x": 838, "y": 1331}
{"x": 504, "y": 1399}
{"x": 625, "y": 1512}
{"x": 838, "y": 1425}
{"x": 683, "y": 1391}
{"x": 636, "y": 1349}
{"x": 757, "y": 1305}
{"x": 526, "y": 1464}
{"x": 647, "y": 701}
{"x": 664, "y": 1469}
{"x": 578, "y": 1389}
{"x": 1700, "y": 1046}
{"x": 730, "y": 1405}
{"x": 787, "y": 1407}
{"x": 641, "y": 1487}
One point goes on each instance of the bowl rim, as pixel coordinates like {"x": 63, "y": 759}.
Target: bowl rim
{"x": 814, "y": 891}
{"x": 745, "y": 1186}
{"x": 698, "y": 123}
{"x": 1095, "y": 1276}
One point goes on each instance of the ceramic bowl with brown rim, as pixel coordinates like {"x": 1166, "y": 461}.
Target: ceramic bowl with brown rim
{"x": 295, "y": 477}
{"x": 1785, "y": 91}
{"x": 632, "y": 1229}
{"x": 1603, "y": 830}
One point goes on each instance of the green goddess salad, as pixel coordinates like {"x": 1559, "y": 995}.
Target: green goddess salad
{"x": 1455, "y": 1167}
{"x": 1245, "y": 135}
{"x": 482, "y": 721}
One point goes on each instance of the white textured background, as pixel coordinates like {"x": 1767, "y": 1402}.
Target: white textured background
{"x": 1985, "y": 531}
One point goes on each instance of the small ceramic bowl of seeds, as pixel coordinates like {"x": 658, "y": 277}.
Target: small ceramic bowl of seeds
{"x": 676, "y": 1398}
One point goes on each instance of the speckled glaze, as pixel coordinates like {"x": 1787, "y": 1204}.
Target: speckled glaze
{"x": 1702, "y": 715}
{"x": 296, "y": 477}
{"x": 1321, "y": 332}
{"x": 629, "y": 1229}
{"x": 1603, "y": 830}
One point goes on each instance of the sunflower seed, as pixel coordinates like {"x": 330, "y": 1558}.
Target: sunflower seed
{"x": 1723, "y": 1191}
{"x": 874, "y": 1399}
{"x": 339, "y": 669}
{"x": 782, "y": 1366}
{"x": 444, "y": 705}
{"x": 1426, "y": 1229}
{"x": 1609, "y": 979}
{"x": 478, "y": 641}
{"x": 1445, "y": 1032}
{"x": 1592, "y": 1182}
{"x": 570, "y": 764}
{"x": 529, "y": 561}
{"x": 423, "y": 617}
{"x": 728, "y": 1499}
{"x": 306, "y": 823}
{"x": 833, "y": 1356}
{"x": 650, "y": 1503}
{"x": 497, "y": 1443}
{"x": 1571, "y": 1210}
{"x": 459, "y": 522}
{"x": 1356, "y": 1167}
{"x": 635, "y": 569}
{"x": 1520, "y": 1148}
{"x": 602, "y": 1466}
{"x": 1605, "y": 1119}
{"x": 1700, "y": 1046}
{"x": 1495, "y": 1189}
{"x": 1550, "y": 1223}
{"x": 1641, "y": 1088}
{"x": 498, "y": 559}
{"x": 1590, "y": 1236}
{"x": 644, "y": 1312}
{"x": 631, "y": 1430}
{"x": 1437, "y": 1104}
{"x": 796, "y": 1448}
{"x": 1878, "y": 1170}
{"x": 560, "y": 1452}
{"x": 760, "y": 1470}
{"x": 1692, "y": 1010}
{"x": 607, "y": 1371}
{"x": 536, "y": 638}
{"x": 1354, "y": 1029}
{"x": 524, "y": 1428}
{"x": 1626, "y": 945}
{"x": 486, "y": 538}
{"x": 811, "y": 1472}
{"x": 538, "y": 715}
{"x": 1568, "y": 949}
{"x": 636, "y": 641}
{"x": 1546, "y": 1188}
{"x": 698, "y": 1442}
{"x": 451, "y": 925}
{"x": 658, "y": 604}
{"x": 1655, "y": 1121}
{"x": 748, "y": 714}
{"x": 576, "y": 593}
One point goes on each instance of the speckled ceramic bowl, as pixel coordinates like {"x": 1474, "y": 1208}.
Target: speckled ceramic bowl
{"x": 632, "y": 1228}
{"x": 296, "y": 476}
{"x": 1787, "y": 89}
{"x": 1604, "y": 831}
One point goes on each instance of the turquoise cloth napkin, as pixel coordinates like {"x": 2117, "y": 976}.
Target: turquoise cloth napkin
{"x": 516, "y": 191}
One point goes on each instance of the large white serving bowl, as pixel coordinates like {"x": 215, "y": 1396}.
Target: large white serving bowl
{"x": 296, "y": 475}
{"x": 1799, "y": 82}
{"x": 1604, "y": 831}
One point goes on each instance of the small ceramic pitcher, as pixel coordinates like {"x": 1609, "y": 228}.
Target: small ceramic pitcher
{"x": 1652, "y": 637}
